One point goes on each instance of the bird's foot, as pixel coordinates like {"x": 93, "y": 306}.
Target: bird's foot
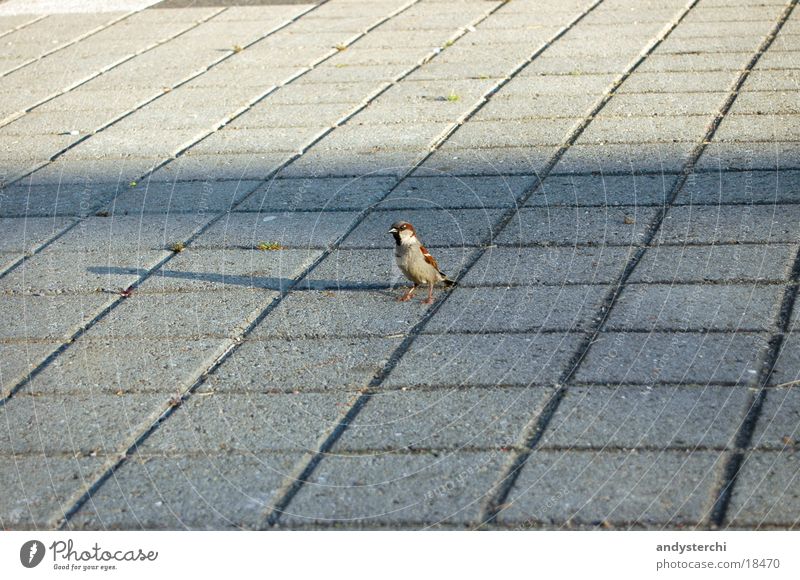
{"x": 428, "y": 301}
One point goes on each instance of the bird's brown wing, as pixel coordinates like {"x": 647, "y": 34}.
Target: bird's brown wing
{"x": 428, "y": 258}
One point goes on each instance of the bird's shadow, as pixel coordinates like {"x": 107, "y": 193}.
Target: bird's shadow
{"x": 261, "y": 282}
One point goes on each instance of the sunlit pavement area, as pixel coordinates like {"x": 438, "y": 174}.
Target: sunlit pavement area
{"x": 199, "y": 323}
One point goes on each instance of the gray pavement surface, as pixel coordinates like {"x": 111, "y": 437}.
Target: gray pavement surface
{"x": 200, "y": 327}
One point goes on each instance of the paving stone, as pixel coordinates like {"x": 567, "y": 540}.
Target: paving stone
{"x": 717, "y": 188}
{"x": 772, "y": 80}
{"x": 520, "y": 309}
{"x": 719, "y": 28}
{"x": 49, "y": 201}
{"x": 436, "y": 92}
{"x": 748, "y": 156}
{"x": 56, "y": 272}
{"x": 750, "y": 128}
{"x": 710, "y": 44}
{"x": 387, "y": 112}
{"x": 552, "y": 266}
{"x": 318, "y": 194}
{"x": 645, "y": 130}
{"x": 720, "y": 61}
{"x": 649, "y": 359}
{"x": 210, "y": 492}
{"x": 203, "y": 270}
{"x": 25, "y": 234}
{"x": 663, "y": 104}
{"x": 297, "y": 230}
{"x": 299, "y": 92}
{"x": 230, "y": 141}
{"x": 121, "y": 233}
{"x": 19, "y": 359}
{"x": 165, "y": 197}
{"x": 484, "y": 360}
{"x": 538, "y": 84}
{"x": 111, "y": 366}
{"x": 603, "y": 190}
{"x": 712, "y": 263}
{"x": 501, "y": 161}
{"x": 112, "y": 172}
{"x": 232, "y": 166}
{"x": 364, "y": 137}
{"x": 730, "y": 224}
{"x": 787, "y": 366}
{"x": 293, "y": 365}
{"x": 458, "y": 192}
{"x": 375, "y": 269}
{"x": 253, "y": 422}
{"x": 605, "y": 226}
{"x": 579, "y": 64}
{"x": 34, "y": 317}
{"x": 354, "y": 163}
{"x": 460, "y": 418}
{"x": 118, "y": 142}
{"x": 291, "y": 115}
{"x": 778, "y": 60}
{"x": 778, "y": 425}
{"x": 485, "y": 134}
{"x": 88, "y": 425}
{"x": 465, "y": 227}
{"x": 222, "y": 313}
{"x": 38, "y": 488}
{"x": 764, "y": 494}
{"x": 777, "y": 102}
{"x": 624, "y": 158}
{"x": 678, "y": 82}
{"x": 599, "y": 417}
{"x": 396, "y": 489}
{"x": 696, "y": 307}
{"x": 623, "y": 488}
{"x": 504, "y": 108}
{"x": 341, "y": 313}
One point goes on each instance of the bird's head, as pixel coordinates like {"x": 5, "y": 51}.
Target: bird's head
{"x": 403, "y": 232}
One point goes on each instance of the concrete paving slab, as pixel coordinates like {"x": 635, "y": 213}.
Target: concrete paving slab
{"x": 301, "y": 230}
{"x": 19, "y": 359}
{"x": 503, "y": 161}
{"x": 766, "y": 102}
{"x": 713, "y": 263}
{"x": 730, "y": 224}
{"x": 678, "y": 82}
{"x": 232, "y": 166}
{"x": 228, "y": 269}
{"x": 645, "y": 130}
{"x": 26, "y": 234}
{"x": 213, "y": 492}
{"x": 749, "y": 156}
{"x": 38, "y": 488}
{"x": 165, "y": 197}
{"x": 329, "y": 314}
{"x": 485, "y": 134}
{"x": 458, "y": 192}
{"x": 601, "y": 417}
{"x": 569, "y": 226}
{"x": 484, "y": 360}
{"x": 787, "y": 366}
{"x": 48, "y": 201}
{"x": 776, "y": 186}
{"x": 603, "y": 190}
{"x": 459, "y": 418}
{"x": 552, "y": 266}
{"x": 354, "y": 163}
{"x": 456, "y": 228}
{"x": 519, "y": 309}
{"x": 624, "y": 158}
{"x": 396, "y": 489}
{"x": 42, "y": 317}
{"x": 57, "y": 272}
{"x": 768, "y": 128}
{"x": 735, "y": 308}
{"x": 618, "y": 488}
{"x": 273, "y": 363}
{"x": 764, "y": 493}
{"x": 502, "y": 107}
{"x": 79, "y": 426}
{"x": 683, "y": 358}
{"x": 254, "y": 423}
{"x": 778, "y": 425}
{"x": 97, "y": 366}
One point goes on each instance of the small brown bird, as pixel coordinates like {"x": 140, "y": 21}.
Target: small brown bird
{"x": 415, "y": 261}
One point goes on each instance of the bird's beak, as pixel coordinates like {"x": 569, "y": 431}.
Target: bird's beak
{"x": 393, "y": 231}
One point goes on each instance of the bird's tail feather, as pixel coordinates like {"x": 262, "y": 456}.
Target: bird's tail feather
{"x": 448, "y": 283}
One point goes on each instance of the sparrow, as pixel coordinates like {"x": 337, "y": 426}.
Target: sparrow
{"x": 415, "y": 261}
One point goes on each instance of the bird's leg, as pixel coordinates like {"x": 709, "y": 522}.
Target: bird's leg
{"x": 409, "y": 293}
{"x": 429, "y": 299}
